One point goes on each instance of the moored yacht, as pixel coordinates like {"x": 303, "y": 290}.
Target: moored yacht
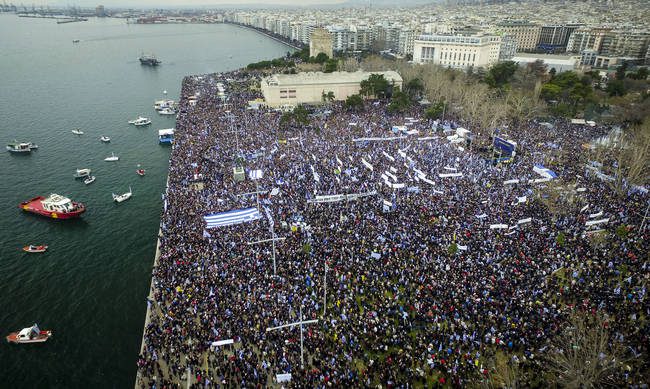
{"x": 81, "y": 173}
{"x": 112, "y": 158}
{"x": 105, "y": 139}
{"x": 167, "y": 111}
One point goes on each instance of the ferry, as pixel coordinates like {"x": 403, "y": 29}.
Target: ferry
{"x": 35, "y": 249}
{"x": 31, "y": 334}
{"x": 55, "y": 206}
{"x": 21, "y": 147}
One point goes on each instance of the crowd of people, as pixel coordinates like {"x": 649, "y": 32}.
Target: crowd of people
{"x": 439, "y": 263}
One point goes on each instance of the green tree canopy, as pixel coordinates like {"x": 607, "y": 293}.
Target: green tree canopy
{"x": 500, "y": 74}
{"x": 399, "y": 103}
{"x": 354, "y": 102}
{"x": 376, "y": 85}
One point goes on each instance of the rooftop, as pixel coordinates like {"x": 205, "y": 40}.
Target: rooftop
{"x": 307, "y": 78}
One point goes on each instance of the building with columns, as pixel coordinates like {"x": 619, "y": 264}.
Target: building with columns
{"x": 457, "y": 51}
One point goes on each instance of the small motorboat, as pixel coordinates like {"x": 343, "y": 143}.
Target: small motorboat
{"x": 140, "y": 172}
{"x": 123, "y": 196}
{"x": 21, "y": 147}
{"x": 112, "y": 158}
{"x": 89, "y": 180}
{"x": 81, "y": 173}
{"x": 77, "y": 132}
{"x": 75, "y": 41}
{"x": 105, "y": 139}
{"x": 140, "y": 121}
{"x": 167, "y": 111}
{"x": 160, "y": 104}
{"x": 31, "y": 334}
{"x": 35, "y": 249}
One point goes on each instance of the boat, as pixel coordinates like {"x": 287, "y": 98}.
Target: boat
{"x": 35, "y": 249}
{"x": 77, "y": 132}
{"x": 123, "y": 196}
{"x": 149, "y": 60}
{"x": 75, "y": 41}
{"x": 166, "y": 136}
{"x": 31, "y": 334}
{"x": 21, "y": 147}
{"x": 105, "y": 139}
{"x": 81, "y": 173}
{"x": 89, "y": 180}
{"x": 54, "y": 206}
{"x": 167, "y": 111}
{"x": 140, "y": 172}
{"x": 161, "y": 104}
{"x": 112, "y": 158}
{"x": 140, "y": 121}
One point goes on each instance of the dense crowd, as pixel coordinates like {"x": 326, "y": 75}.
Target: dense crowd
{"x": 426, "y": 282}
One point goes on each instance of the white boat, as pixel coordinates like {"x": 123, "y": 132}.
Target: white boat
{"x": 105, "y": 139}
{"x": 77, "y": 132}
{"x": 89, "y": 180}
{"x": 31, "y": 334}
{"x": 140, "y": 121}
{"x": 160, "y": 104}
{"x": 81, "y": 173}
{"x": 21, "y": 147}
{"x": 167, "y": 111}
{"x": 123, "y": 196}
{"x": 112, "y": 158}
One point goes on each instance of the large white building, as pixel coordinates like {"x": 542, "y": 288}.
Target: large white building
{"x": 457, "y": 51}
{"x": 293, "y": 89}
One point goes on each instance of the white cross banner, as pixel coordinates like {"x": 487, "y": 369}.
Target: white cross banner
{"x": 236, "y": 216}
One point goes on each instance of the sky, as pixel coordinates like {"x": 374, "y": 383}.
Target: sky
{"x": 192, "y": 3}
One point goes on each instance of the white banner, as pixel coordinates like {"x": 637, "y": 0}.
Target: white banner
{"x": 444, "y": 175}
{"x": 498, "y": 226}
{"x": 366, "y": 164}
{"x": 514, "y": 181}
{"x": 388, "y": 156}
{"x": 594, "y": 222}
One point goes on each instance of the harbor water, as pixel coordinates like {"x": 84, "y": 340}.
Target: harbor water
{"x": 90, "y": 287}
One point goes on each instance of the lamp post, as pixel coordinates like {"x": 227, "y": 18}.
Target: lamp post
{"x": 300, "y": 323}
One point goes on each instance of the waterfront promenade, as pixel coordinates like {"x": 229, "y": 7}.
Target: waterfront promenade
{"x": 410, "y": 259}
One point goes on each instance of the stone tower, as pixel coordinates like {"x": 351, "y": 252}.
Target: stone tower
{"x": 320, "y": 41}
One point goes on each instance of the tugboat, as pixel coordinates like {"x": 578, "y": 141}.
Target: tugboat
{"x": 31, "y": 334}
{"x": 34, "y": 249}
{"x": 149, "y": 60}
{"x": 55, "y": 206}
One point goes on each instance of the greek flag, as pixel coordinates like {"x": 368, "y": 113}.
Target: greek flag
{"x": 236, "y": 216}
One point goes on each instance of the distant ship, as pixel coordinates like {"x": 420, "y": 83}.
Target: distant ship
{"x": 149, "y": 60}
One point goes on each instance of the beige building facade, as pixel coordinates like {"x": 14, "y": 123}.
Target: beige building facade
{"x": 526, "y": 34}
{"x": 293, "y": 89}
{"x": 457, "y": 51}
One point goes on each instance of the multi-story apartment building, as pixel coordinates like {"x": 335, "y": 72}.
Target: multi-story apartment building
{"x": 630, "y": 45}
{"x": 525, "y": 33}
{"x": 555, "y": 37}
{"x": 586, "y": 39}
{"x": 508, "y": 47}
{"x": 457, "y": 51}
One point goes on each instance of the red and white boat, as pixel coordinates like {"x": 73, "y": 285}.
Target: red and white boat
{"x": 55, "y": 206}
{"x": 35, "y": 249}
{"x": 29, "y": 335}
{"x": 140, "y": 172}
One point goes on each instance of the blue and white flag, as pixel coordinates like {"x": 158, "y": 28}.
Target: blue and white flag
{"x": 236, "y": 216}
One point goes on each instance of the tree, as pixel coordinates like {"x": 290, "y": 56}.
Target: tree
{"x": 299, "y": 117}
{"x": 399, "y": 103}
{"x": 621, "y": 70}
{"x": 320, "y": 58}
{"x": 414, "y": 88}
{"x": 376, "y": 85}
{"x": 435, "y": 111}
{"x": 584, "y": 355}
{"x": 331, "y": 65}
{"x": 501, "y": 73}
{"x": 615, "y": 88}
{"x": 354, "y": 102}
{"x": 327, "y": 97}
